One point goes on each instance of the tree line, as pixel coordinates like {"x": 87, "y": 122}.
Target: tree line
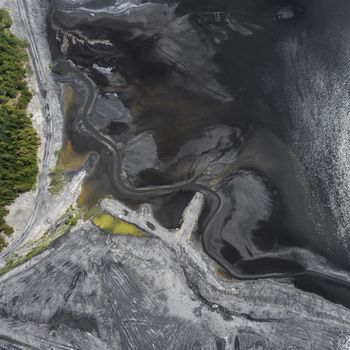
{"x": 18, "y": 139}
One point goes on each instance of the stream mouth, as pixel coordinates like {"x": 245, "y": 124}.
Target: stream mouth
{"x": 181, "y": 98}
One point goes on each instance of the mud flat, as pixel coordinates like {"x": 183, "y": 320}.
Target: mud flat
{"x": 164, "y": 125}
{"x": 161, "y": 135}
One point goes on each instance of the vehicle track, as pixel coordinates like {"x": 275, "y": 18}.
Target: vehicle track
{"x": 43, "y": 178}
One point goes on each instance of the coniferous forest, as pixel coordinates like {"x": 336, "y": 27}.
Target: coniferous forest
{"x": 18, "y": 139}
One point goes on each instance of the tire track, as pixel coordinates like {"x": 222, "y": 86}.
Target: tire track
{"x": 43, "y": 178}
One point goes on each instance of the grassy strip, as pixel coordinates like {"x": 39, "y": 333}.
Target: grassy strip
{"x": 57, "y": 175}
{"x": 101, "y": 219}
{"x": 18, "y": 139}
{"x": 69, "y": 220}
{"x": 57, "y": 180}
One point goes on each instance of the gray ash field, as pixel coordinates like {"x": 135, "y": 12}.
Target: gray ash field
{"x": 220, "y": 130}
{"x": 94, "y": 291}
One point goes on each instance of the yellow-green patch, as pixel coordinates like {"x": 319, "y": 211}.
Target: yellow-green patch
{"x": 110, "y": 224}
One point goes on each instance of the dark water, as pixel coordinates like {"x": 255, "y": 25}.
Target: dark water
{"x": 192, "y": 96}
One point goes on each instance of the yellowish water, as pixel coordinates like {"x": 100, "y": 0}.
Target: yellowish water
{"x": 91, "y": 193}
{"x": 68, "y": 99}
{"x": 69, "y": 159}
{"x": 110, "y": 224}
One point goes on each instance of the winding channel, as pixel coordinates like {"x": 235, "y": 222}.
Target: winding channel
{"x": 331, "y": 285}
